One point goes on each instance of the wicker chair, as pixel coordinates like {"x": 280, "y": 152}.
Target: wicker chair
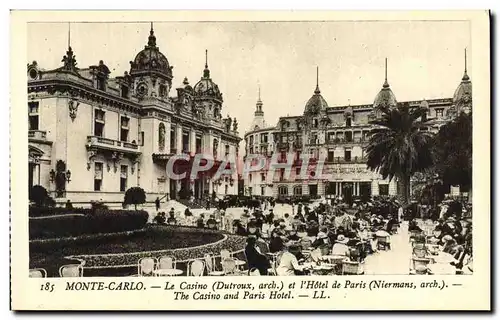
{"x": 166, "y": 262}
{"x": 146, "y": 266}
{"x": 210, "y": 266}
{"x": 71, "y": 271}
{"x": 351, "y": 267}
{"x": 196, "y": 268}
{"x": 229, "y": 266}
{"x": 38, "y": 273}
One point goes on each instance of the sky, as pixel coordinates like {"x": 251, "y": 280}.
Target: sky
{"x": 425, "y": 58}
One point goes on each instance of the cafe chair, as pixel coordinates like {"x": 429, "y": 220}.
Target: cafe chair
{"x": 166, "y": 262}
{"x": 38, "y": 273}
{"x": 351, "y": 268}
{"x": 418, "y": 262}
{"x": 71, "y": 271}
{"x": 146, "y": 266}
{"x": 229, "y": 266}
{"x": 196, "y": 268}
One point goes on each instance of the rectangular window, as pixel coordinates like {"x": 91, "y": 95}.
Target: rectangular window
{"x": 348, "y": 122}
{"x": 262, "y": 191}
{"x": 33, "y": 117}
{"x": 347, "y": 155}
{"x": 185, "y": 142}
{"x": 439, "y": 112}
{"x": 124, "y": 91}
{"x": 99, "y": 123}
{"x": 172, "y": 140}
{"x": 101, "y": 84}
{"x": 124, "y": 128}
{"x": 98, "y": 176}
{"x": 263, "y": 177}
{"x": 348, "y": 136}
{"x": 297, "y": 171}
{"x": 282, "y": 174}
{"x": 198, "y": 144}
{"x": 141, "y": 138}
{"x": 251, "y": 140}
{"x": 227, "y": 150}
{"x": 330, "y": 155}
{"x": 383, "y": 189}
{"x": 123, "y": 178}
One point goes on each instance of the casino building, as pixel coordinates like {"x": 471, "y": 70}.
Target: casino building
{"x": 92, "y": 136}
{"x": 339, "y": 134}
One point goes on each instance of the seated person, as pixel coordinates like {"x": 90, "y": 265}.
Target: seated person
{"x": 340, "y": 247}
{"x": 212, "y": 223}
{"x": 321, "y": 238}
{"x": 451, "y": 246}
{"x": 292, "y": 235}
{"x": 239, "y": 229}
{"x": 289, "y": 264}
{"x": 413, "y": 226}
{"x": 187, "y": 212}
{"x": 276, "y": 243}
{"x": 253, "y": 230}
{"x": 200, "y": 223}
{"x": 160, "y": 218}
{"x": 254, "y": 258}
{"x": 390, "y": 223}
{"x": 171, "y": 219}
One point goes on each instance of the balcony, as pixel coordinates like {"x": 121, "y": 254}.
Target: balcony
{"x": 341, "y": 141}
{"x": 37, "y": 136}
{"x": 96, "y": 142}
{"x": 342, "y": 160}
{"x": 283, "y": 145}
{"x": 313, "y": 142}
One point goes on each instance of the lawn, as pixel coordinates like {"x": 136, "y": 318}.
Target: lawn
{"x": 51, "y": 255}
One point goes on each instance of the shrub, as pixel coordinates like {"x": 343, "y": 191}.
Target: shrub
{"x": 49, "y": 211}
{"x": 107, "y": 221}
{"x": 135, "y": 196}
{"x": 40, "y": 196}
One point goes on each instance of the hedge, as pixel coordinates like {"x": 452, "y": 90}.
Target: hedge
{"x": 106, "y": 221}
{"x": 47, "y": 211}
{"x": 230, "y": 242}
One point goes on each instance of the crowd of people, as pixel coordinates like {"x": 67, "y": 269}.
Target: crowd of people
{"x": 285, "y": 244}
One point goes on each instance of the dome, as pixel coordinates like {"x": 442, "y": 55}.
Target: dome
{"x": 150, "y": 59}
{"x": 316, "y": 103}
{"x": 463, "y": 93}
{"x": 206, "y": 88}
{"x": 385, "y": 99}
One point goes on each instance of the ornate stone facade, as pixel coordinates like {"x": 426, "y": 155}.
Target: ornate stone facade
{"x": 115, "y": 133}
{"x": 338, "y": 134}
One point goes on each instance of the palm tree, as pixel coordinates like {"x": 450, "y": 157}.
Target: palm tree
{"x": 398, "y": 148}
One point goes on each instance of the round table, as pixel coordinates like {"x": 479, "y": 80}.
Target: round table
{"x": 443, "y": 257}
{"x": 167, "y": 272}
{"x": 442, "y": 269}
{"x": 335, "y": 258}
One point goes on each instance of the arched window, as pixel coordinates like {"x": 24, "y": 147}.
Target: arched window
{"x": 283, "y": 190}
{"x": 161, "y": 136}
{"x": 297, "y": 190}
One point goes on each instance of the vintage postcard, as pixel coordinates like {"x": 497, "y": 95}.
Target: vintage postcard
{"x": 190, "y": 160}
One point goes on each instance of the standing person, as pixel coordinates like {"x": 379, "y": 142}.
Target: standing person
{"x": 157, "y": 203}
{"x": 207, "y": 203}
{"x": 255, "y": 258}
{"x": 400, "y": 213}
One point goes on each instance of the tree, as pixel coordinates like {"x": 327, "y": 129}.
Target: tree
{"x": 135, "y": 196}
{"x": 38, "y": 195}
{"x": 398, "y": 148}
{"x": 452, "y": 151}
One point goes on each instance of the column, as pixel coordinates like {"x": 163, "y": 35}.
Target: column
{"x": 192, "y": 142}
{"x": 374, "y": 187}
{"x": 167, "y": 137}
{"x": 357, "y": 188}
{"x": 178, "y": 138}
{"x": 340, "y": 188}
{"x": 36, "y": 174}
